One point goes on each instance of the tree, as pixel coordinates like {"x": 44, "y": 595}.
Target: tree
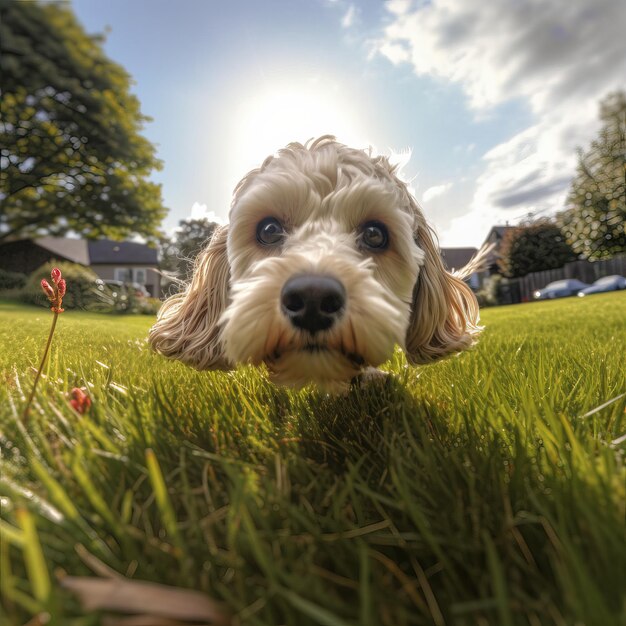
{"x": 72, "y": 154}
{"x": 594, "y": 221}
{"x": 533, "y": 247}
{"x": 179, "y": 253}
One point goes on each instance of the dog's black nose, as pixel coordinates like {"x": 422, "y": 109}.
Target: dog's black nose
{"x": 312, "y": 302}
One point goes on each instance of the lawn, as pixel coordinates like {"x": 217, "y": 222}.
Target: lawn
{"x": 486, "y": 489}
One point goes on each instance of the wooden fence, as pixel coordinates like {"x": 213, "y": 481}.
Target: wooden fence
{"x": 522, "y": 289}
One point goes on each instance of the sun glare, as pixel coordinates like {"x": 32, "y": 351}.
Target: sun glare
{"x": 270, "y": 119}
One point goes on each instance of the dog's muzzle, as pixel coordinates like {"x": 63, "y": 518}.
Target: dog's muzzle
{"x": 312, "y": 302}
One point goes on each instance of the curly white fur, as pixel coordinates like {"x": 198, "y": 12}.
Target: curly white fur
{"x": 321, "y": 193}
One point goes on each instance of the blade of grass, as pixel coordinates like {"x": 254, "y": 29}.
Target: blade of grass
{"x": 310, "y": 609}
{"x": 33, "y": 556}
{"x": 498, "y": 582}
{"x": 365, "y": 596}
{"x": 10, "y": 534}
{"x": 163, "y": 501}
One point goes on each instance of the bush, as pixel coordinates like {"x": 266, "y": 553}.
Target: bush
{"x": 11, "y": 280}
{"x": 85, "y": 291}
{"x": 81, "y": 287}
{"x": 491, "y": 293}
{"x": 124, "y": 299}
{"x": 534, "y": 247}
{"x": 149, "y": 306}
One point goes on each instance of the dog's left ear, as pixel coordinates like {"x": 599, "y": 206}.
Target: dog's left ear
{"x": 187, "y": 326}
{"x": 444, "y": 316}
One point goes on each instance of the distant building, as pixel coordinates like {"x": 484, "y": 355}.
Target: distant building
{"x": 457, "y": 258}
{"x": 125, "y": 261}
{"x": 495, "y": 236}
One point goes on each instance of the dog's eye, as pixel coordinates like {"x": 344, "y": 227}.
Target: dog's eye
{"x": 374, "y": 235}
{"x": 269, "y": 231}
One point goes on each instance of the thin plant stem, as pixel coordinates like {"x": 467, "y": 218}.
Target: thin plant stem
{"x": 43, "y": 360}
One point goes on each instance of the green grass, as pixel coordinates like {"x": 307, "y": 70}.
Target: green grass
{"x": 485, "y": 489}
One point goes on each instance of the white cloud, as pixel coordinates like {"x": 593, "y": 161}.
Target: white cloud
{"x": 471, "y": 229}
{"x": 395, "y": 52}
{"x": 348, "y": 19}
{"x": 531, "y": 48}
{"x": 560, "y": 57}
{"x": 200, "y": 211}
{"x": 398, "y": 7}
{"x": 437, "y": 190}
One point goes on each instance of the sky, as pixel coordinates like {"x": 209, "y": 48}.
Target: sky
{"x": 489, "y": 99}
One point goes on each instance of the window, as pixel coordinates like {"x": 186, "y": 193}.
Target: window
{"x": 124, "y": 274}
{"x": 140, "y": 276}
{"x": 132, "y": 275}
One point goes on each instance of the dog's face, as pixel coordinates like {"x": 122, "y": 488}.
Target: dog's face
{"x": 323, "y": 263}
{"x": 327, "y": 264}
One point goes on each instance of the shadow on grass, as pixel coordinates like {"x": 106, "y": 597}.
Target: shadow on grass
{"x": 388, "y": 505}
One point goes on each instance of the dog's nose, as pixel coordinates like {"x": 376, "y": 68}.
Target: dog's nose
{"x": 312, "y": 302}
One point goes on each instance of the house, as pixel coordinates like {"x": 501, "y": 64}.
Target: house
{"x": 495, "y": 236}
{"x": 457, "y": 258}
{"x": 125, "y": 261}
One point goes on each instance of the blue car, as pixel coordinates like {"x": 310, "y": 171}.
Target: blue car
{"x": 560, "y": 289}
{"x": 608, "y": 283}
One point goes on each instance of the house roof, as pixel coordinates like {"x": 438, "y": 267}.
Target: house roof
{"x": 501, "y": 229}
{"x": 104, "y": 251}
{"x": 498, "y": 231}
{"x": 111, "y": 252}
{"x": 74, "y": 250}
{"x": 456, "y": 258}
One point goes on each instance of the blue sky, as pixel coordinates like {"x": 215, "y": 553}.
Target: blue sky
{"x": 491, "y": 98}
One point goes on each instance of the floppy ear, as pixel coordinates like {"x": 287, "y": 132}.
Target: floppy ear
{"x": 444, "y": 316}
{"x": 187, "y": 324}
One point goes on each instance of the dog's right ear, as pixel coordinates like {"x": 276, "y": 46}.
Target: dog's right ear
{"x": 187, "y": 326}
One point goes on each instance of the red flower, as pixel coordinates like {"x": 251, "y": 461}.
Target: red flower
{"x": 45, "y": 285}
{"x": 80, "y": 401}
{"x": 55, "y": 294}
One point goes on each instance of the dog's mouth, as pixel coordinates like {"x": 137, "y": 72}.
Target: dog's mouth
{"x": 318, "y": 348}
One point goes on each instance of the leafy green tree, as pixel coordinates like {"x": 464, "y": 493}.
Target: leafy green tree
{"x": 179, "y": 252}
{"x": 594, "y": 222}
{"x": 72, "y": 153}
{"x": 533, "y": 247}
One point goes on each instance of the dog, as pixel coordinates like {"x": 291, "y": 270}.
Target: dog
{"x": 326, "y": 265}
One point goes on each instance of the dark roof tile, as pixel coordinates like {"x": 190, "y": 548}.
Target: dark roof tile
{"x": 74, "y": 250}
{"x": 125, "y": 252}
